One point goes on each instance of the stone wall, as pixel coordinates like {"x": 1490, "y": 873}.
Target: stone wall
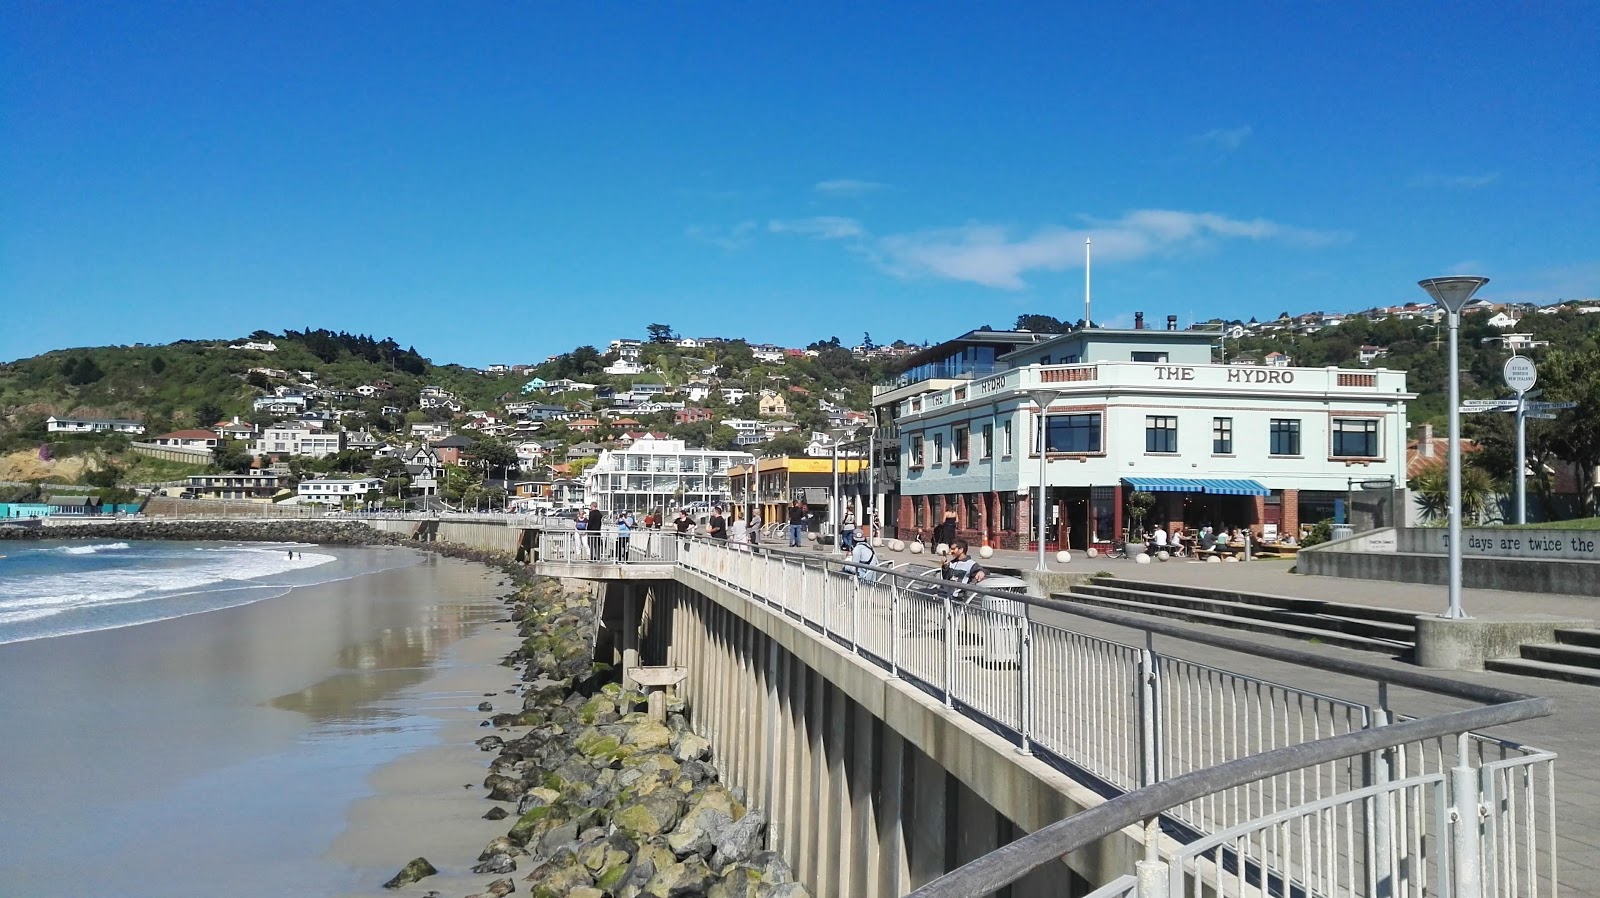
{"x": 333, "y": 533}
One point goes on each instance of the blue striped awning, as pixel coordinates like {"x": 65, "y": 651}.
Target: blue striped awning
{"x": 1209, "y": 485}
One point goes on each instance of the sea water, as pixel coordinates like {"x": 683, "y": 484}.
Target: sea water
{"x": 179, "y": 718}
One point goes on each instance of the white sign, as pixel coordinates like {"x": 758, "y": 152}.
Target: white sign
{"x": 1519, "y": 373}
{"x": 1542, "y": 416}
{"x": 1548, "y": 406}
{"x": 1489, "y": 403}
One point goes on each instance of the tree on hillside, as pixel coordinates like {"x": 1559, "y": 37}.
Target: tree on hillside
{"x": 492, "y": 455}
{"x": 1575, "y": 377}
{"x": 784, "y": 444}
{"x": 81, "y": 370}
{"x": 661, "y": 333}
{"x": 230, "y": 457}
{"x": 207, "y": 414}
{"x": 1042, "y": 324}
{"x": 157, "y": 364}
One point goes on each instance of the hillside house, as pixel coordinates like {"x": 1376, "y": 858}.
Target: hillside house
{"x": 692, "y": 415}
{"x": 297, "y": 440}
{"x": 189, "y": 439}
{"x": 54, "y": 424}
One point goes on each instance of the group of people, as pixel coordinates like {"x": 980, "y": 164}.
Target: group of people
{"x": 1190, "y": 542}
{"x": 626, "y": 525}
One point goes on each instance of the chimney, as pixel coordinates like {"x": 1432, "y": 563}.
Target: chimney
{"x": 1138, "y": 321}
{"x": 1425, "y": 442}
{"x": 1172, "y": 322}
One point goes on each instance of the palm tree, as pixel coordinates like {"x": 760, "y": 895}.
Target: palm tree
{"x": 1432, "y": 487}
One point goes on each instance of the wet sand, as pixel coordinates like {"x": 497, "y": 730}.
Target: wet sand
{"x": 252, "y": 746}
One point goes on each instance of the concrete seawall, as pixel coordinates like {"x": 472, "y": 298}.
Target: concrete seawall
{"x": 1580, "y": 578}
{"x": 334, "y": 533}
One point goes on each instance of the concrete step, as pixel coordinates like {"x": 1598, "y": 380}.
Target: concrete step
{"x": 1546, "y": 670}
{"x": 1233, "y": 622}
{"x": 1556, "y": 653}
{"x": 1327, "y": 619}
{"x": 1579, "y": 636}
{"x": 1290, "y": 603}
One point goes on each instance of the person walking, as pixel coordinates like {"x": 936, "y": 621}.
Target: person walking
{"x": 755, "y": 527}
{"x": 739, "y": 531}
{"x": 847, "y": 529}
{"x": 863, "y": 558}
{"x": 797, "y": 523}
{"x": 592, "y": 524}
{"x": 717, "y": 525}
{"x": 945, "y": 533}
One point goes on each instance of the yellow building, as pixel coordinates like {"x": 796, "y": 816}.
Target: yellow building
{"x": 773, "y": 405}
{"x": 782, "y": 479}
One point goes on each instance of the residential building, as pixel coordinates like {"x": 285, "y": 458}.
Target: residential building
{"x": 189, "y": 439}
{"x": 1369, "y": 354}
{"x": 263, "y": 346}
{"x": 432, "y": 431}
{"x": 697, "y": 393}
{"x": 1502, "y": 320}
{"x": 1516, "y": 342}
{"x": 367, "y": 391}
{"x": 423, "y": 467}
{"x": 628, "y": 350}
{"x": 339, "y": 492}
{"x": 733, "y": 395}
{"x": 235, "y": 430}
{"x": 781, "y": 480}
{"x": 583, "y": 425}
{"x": 660, "y": 475}
{"x": 277, "y": 373}
{"x": 297, "y": 440}
{"x": 534, "y": 386}
{"x": 256, "y": 486}
{"x": 623, "y": 368}
{"x": 287, "y": 404}
{"x": 1276, "y": 360}
{"x": 773, "y": 405}
{"x": 582, "y": 450}
{"x": 451, "y": 448}
{"x": 693, "y": 415}
{"x": 54, "y": 424}
{"x": 1142, "y": 411}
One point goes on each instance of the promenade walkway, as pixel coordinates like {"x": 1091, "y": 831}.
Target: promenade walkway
{"x": 1573, "y": 732}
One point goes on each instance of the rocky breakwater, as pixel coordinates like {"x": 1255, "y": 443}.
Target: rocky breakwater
{"x": 329, "y": 533}
{"x": 608, "y": 803}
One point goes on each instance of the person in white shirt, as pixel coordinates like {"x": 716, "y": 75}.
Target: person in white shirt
{"x": 863, "y": 558}
{"x": 739, "y": 531}
{"x": 1161, "y": 538}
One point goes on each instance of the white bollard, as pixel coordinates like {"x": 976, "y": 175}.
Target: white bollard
{"x": 1230, "y": 558}
{"x": 916, "y": 548}
{"x": 1064, "y": 556}
{"x": 941, "y": 549}
{"x": 1093, "y": 552}
{"x": 1163, "y": 555}
{"x": 985, "y": 551}
{"x": 1142, "y": 558}
{"x": 897, "y": 545}
{"x": 1212, "y": 559}
{"x": 877, "y": 542}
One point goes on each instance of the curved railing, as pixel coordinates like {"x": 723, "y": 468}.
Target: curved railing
{"x": 1257, "y": 786}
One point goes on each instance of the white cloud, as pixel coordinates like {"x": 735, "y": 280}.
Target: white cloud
{"x": 1453, "y": 182}
{"x": 735, "y": 238}
{"x": 1224, "y": 139}
{"x": 991, "y": 256}
{"x": 848, "y": 187}
{"x": 823, "y": 227}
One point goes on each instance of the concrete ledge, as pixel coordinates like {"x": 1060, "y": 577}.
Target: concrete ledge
{"x": 1466, "y": 643}
{"x": 1577, "y": 578}
{"x": 631, "y": 571}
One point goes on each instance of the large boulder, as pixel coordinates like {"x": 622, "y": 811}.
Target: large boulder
{"x": 648, "y": 736}
{"x": 414, "y": 871}
{"x": 740, "y": 840}
{"x": 497, "y": 864}
{"x": 691, "y": 748}
{"x": 689, "y": 877}
{"x": 650, "y": 815}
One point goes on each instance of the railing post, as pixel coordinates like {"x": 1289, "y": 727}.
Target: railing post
{"x": 1465, "y": 824}
{"x": 855, "y": 612}
{"x": 894, "y": 627}
{"x": 949, "y": 651}
{"x": 1025, "y": 676}
{"x": 1154, "y": 877}
{"x": 1381, "y": 837}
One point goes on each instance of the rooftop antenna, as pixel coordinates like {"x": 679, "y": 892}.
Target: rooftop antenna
{"x": 1087, "y": 321}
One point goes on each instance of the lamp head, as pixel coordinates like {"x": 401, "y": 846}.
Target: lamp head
{"x": 1043, "y": 398}
{"x": 1452, "y": 293}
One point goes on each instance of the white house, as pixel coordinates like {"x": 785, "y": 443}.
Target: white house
{"x": 659, "y": 475}
{"x": 265, "y": 346}
{"x": 732, "y": 395}
{"x": 1368, "y": 353}
{"x": 297, "y": 440}
{"x": 627, "y": 350}
{"x": 367, "y": 391}
{"x": 53, "y": 424}
{"x": 291, "y": 404}
{"x": 338, "y": 492}
{"x": 1502, "y": 320}
{"x": 698, "y": 393}
{"x": 690, "y": 343}
{"x": 624, "y": 368}
{"x": 189, "y": 439}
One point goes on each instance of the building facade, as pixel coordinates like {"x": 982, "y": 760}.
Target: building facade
{"x": 1148, "y": 412}
{"x": 255, "y": 486}
{"x": 53, "y": 424}
{"x": 660, "y": 475}
{"x": 298, "y": 440}
{"x": 338, "y": 492}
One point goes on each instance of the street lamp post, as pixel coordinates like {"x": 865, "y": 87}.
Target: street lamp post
{"x": 1043, "y": 399}
{"x": 1452, "y": 293}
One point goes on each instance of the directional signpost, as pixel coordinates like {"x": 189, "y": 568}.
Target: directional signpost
{"x": 1520, "y": 375}
{"x": 1543, "y": 416}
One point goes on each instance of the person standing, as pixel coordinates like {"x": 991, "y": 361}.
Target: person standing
{"x": 863, "y": 558}
{"x": 739, "y": 532}
{"x": 717, "y": 526}
{"x": 755, "y": 527}
{"x": 682, "y": 522}
{"x": 847, "y": 529}
{"x": 623, "y": 533}
{"x": 797, "y": 523}
{"x": 592, "y": 524}
{"x": 945, "y": 533}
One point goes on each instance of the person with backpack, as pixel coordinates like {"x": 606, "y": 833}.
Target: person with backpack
{"x": 863, "y": 558}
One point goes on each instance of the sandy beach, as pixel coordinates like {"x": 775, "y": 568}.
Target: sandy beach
{"x": 308, "y": 744}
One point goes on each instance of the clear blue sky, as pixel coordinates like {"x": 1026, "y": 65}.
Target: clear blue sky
{"x": 497, "y": 182}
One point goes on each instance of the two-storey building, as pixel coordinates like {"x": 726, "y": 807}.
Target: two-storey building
{"x": 660, "y": 475}
{"x": 339, "y": 492}
{"x": 1142, "y": 411}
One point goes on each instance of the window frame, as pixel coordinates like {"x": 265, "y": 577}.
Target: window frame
{"x": 1161, "y": 358}
{"x": 986, "y": 444}
{"x": 1371, "y": 430}
{"x": 938, "y": 448}
{"x": 1009, "y": 445}
{"x": 1156, "y": 426}
{"x": 960, "y": 444}
{"x": 1291, "y": 429}
{"x": 1221, "y": 435}
{"x": 1071, "y": 424}
{"x": 915, "y": 452}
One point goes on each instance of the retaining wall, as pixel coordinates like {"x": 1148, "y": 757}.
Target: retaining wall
{"x": 1580, "y": 578}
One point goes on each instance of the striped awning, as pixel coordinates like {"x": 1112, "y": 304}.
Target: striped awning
{"x": 1209, "y": 485}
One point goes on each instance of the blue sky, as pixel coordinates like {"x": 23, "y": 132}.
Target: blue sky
{"x": 497, "y": 182}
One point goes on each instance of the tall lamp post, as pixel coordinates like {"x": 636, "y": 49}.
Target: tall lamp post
{"x": 1452, "y": 293}
{"x": 1043, "y": 399}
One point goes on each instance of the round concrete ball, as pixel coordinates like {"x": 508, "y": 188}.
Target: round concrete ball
{"x": 811, "y": 536}
{"x": 1213, "y": 560}
{"x": 1093, "y": 552}
{"x": 1063, "y": 556}
{"x": 916, "y": 548}
{"x": 986, "y": 551}
{"x": 1230, "y": 558}
{"x": 877, "y": 542}
{"x": 897, "y": 545}
{"x": 1142, "y": 558}
{"x": 1163, "y": 555}
{"x": 941, "y": 549}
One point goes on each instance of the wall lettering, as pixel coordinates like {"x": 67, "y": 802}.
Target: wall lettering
{"x": 1259, "y": 376}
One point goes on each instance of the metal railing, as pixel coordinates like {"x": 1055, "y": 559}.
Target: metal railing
{"x": 607, "y": 546}
{"x": 1322, "y": 795}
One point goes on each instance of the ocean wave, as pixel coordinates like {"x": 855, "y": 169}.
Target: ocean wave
{"x": 30, "y": 598}
{"x": 91, "y": 550}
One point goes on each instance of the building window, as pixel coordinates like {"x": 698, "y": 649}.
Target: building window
{"x": 916, "y": 451}
{"x": 1074, "y": 433}
{"x": 1150, "y": 357}
{"x": 938, "y": 448}
{"x": 1008, "y": 511}
{"x": 1160, "y": 433}
{"x": 918, "y": 517}
{"x": 1007, "y": 442}
{"x": 1285, "y": 436}
{"x": 1355, "y": 437}
{"x": 986, "y": 447}
{"x": 1222, "y": 436}
{"x": 960, "y": 444}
